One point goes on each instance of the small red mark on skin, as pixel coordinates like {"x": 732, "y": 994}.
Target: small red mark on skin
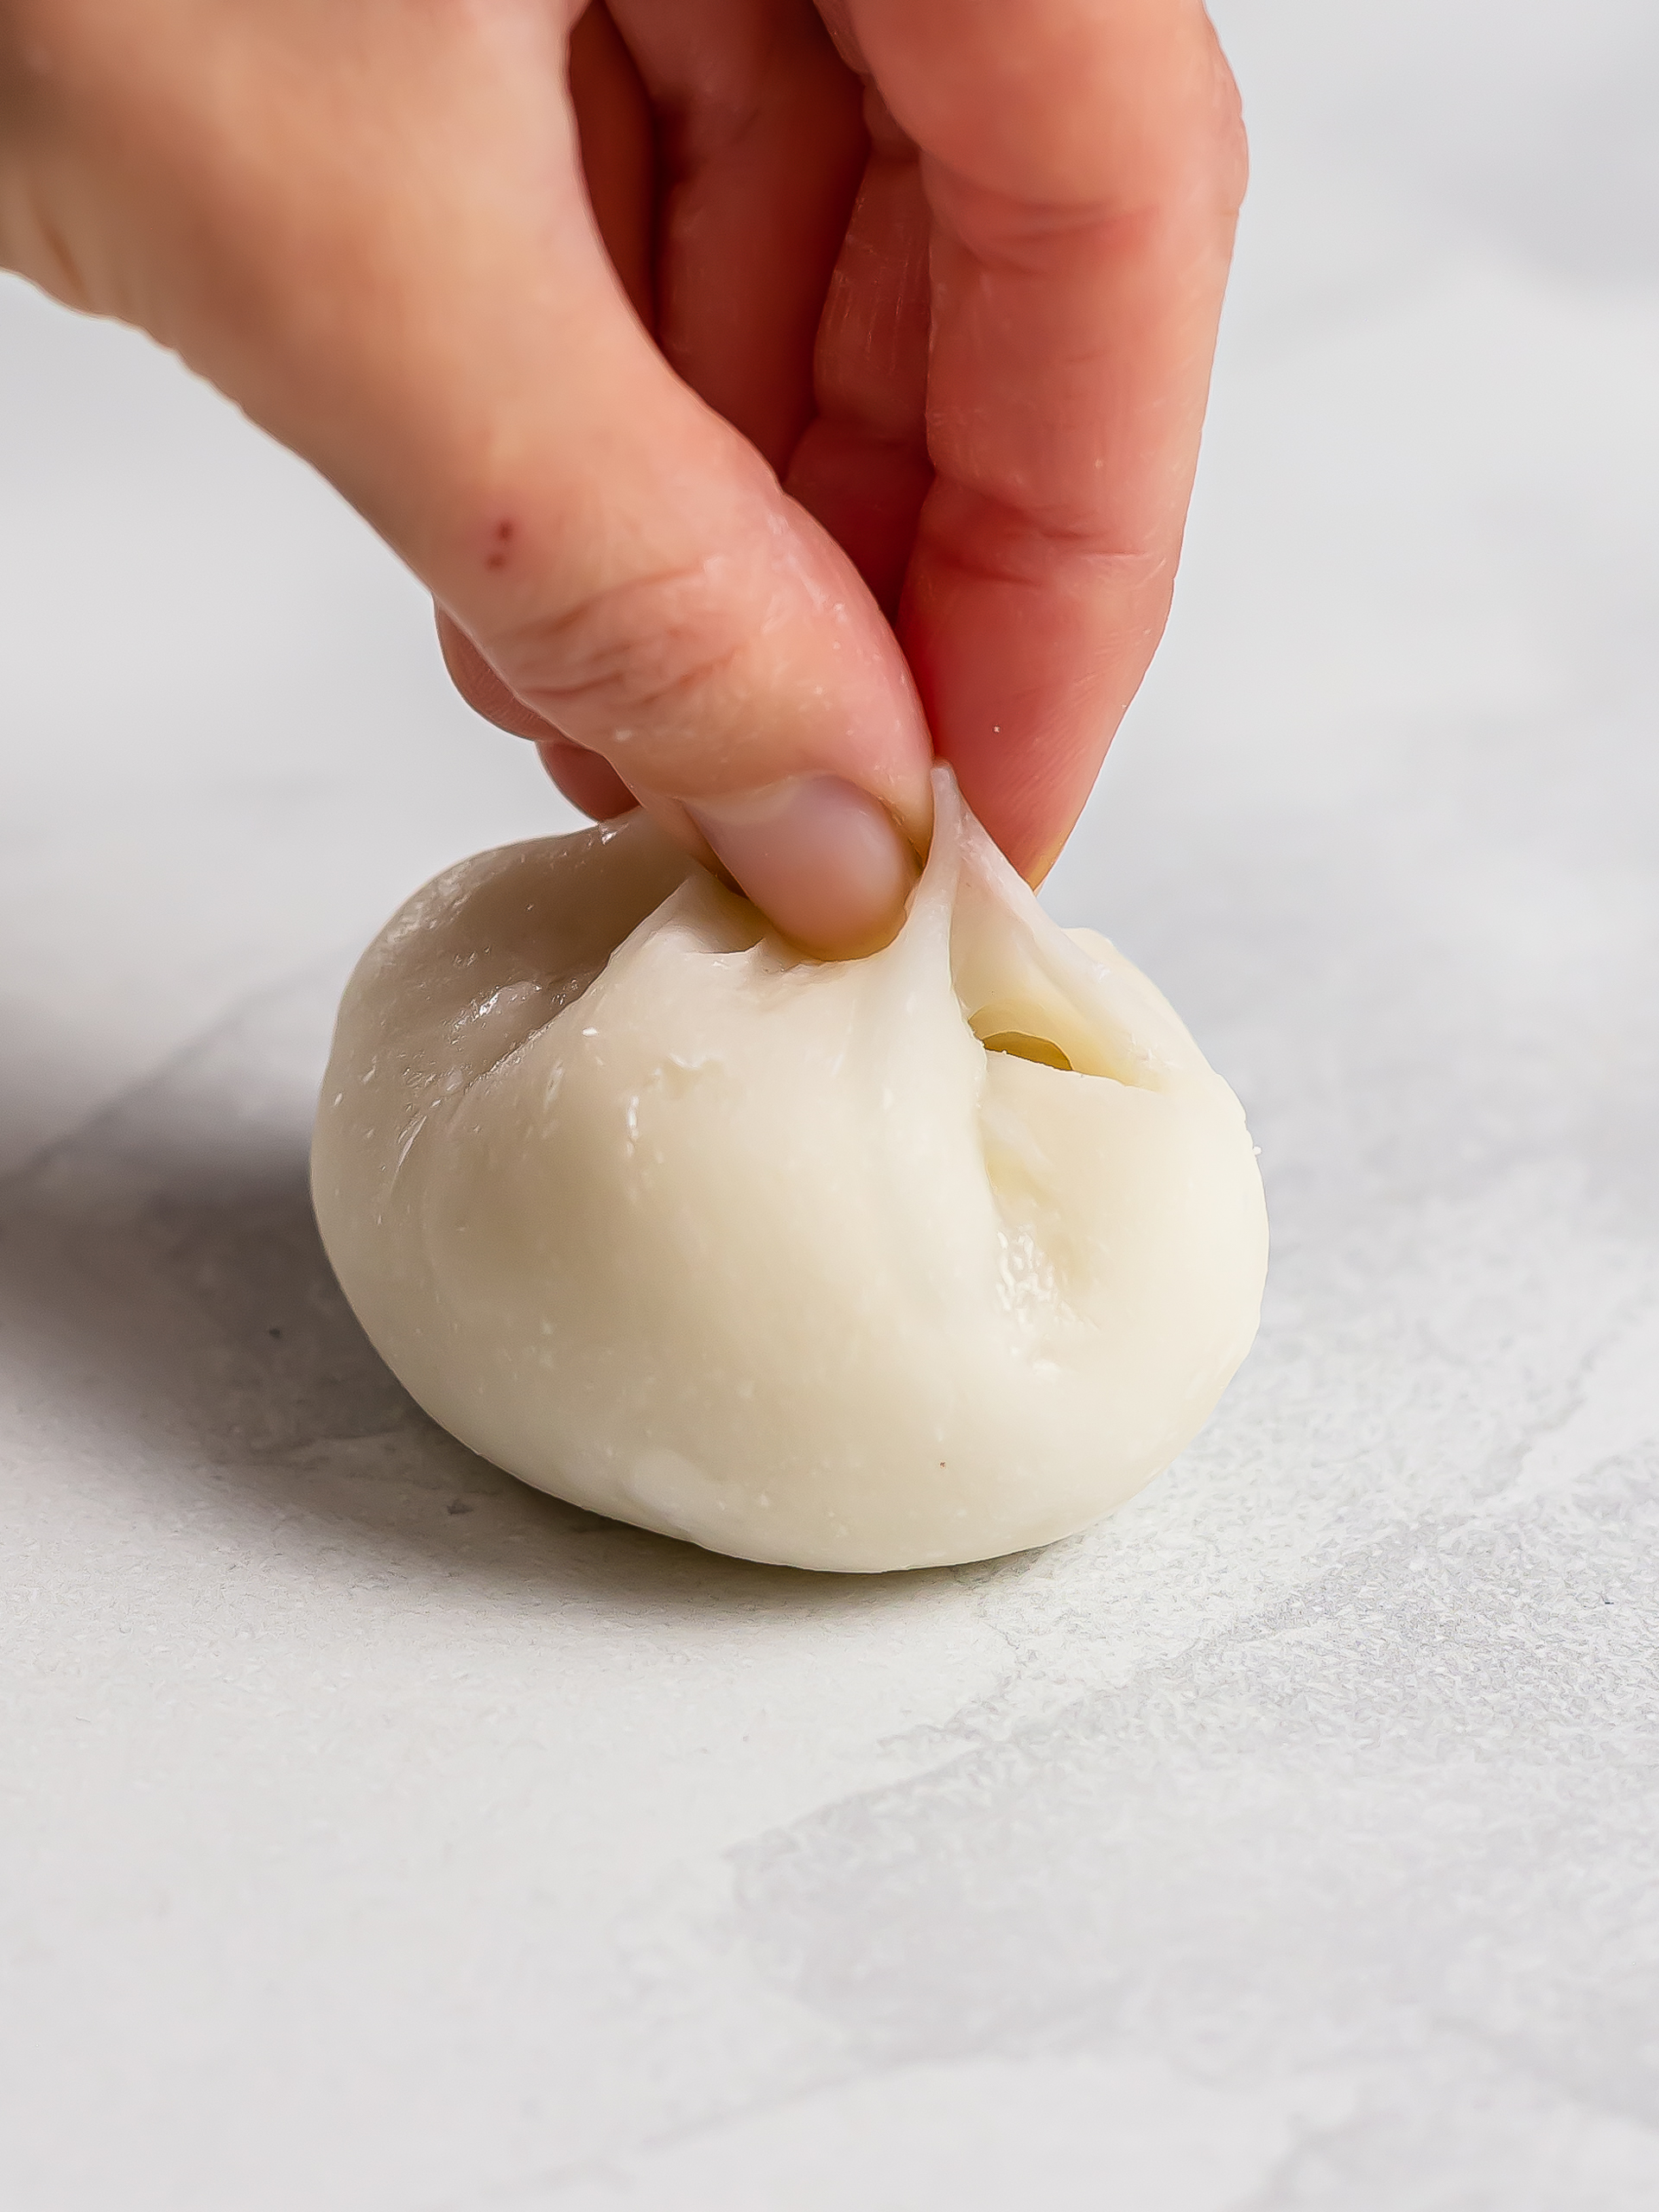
{"x": 500, "y": 540}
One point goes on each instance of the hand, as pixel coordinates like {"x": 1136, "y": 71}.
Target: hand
{"x": 951, "y": 270}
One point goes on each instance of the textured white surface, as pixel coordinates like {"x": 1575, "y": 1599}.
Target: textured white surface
{"x": 379, "y": 1835}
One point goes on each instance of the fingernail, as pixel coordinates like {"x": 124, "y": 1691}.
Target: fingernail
{"x": 820, "y": 859}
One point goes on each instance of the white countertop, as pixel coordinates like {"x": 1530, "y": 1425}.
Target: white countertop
{"x": 380, "y": 1836}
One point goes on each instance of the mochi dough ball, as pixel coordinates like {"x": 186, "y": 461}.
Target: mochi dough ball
{"x": 857, "y": 1265}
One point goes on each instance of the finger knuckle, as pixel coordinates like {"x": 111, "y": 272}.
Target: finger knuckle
{"x": 639, "y": 659}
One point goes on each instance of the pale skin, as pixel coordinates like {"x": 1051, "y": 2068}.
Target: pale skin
{"x": 770, "y": 395}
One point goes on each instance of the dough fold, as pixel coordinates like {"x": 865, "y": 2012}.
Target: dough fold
{"x": 885, "y": 1263}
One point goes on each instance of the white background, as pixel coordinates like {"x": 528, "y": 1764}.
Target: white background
{"x": 375, "y": 1834}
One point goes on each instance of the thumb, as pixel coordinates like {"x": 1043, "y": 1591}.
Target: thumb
{"x": 636, "y": 591}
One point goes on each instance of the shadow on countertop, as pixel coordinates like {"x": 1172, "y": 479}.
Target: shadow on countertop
{"x": 166, "y": 1302}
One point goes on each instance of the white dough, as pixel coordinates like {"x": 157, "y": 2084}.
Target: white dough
{"x": 772, "y": 1253}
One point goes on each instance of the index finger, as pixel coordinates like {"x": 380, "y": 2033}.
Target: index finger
{"x": 1084, "y": 161}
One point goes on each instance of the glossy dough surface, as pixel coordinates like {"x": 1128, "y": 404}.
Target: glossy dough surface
{"x": 773, "y": 1254}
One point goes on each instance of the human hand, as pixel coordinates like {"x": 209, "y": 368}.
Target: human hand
{"x": 385, "y": 230}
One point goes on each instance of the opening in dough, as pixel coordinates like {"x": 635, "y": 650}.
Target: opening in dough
{"x": 1021, "y": 1046}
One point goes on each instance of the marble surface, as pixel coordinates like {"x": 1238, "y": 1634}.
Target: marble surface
{"x": 379, "y": 1835}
